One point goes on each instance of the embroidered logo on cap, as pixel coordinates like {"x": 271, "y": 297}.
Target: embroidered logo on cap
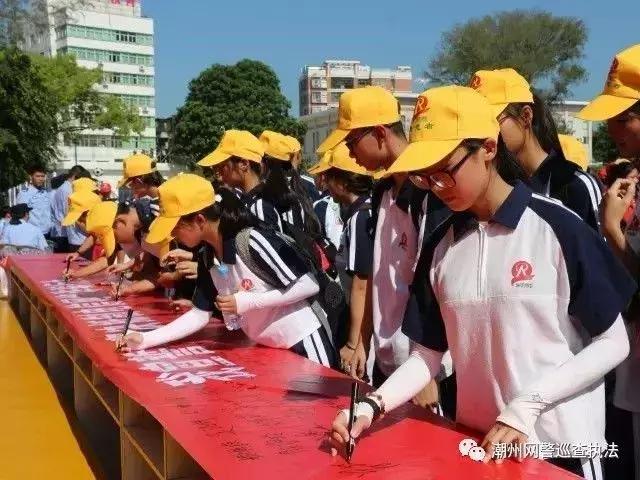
{"x": 475, "y": 82}
{"x": 611, "y": 78}
{"x": 521, "y": 274}
{"x": 422, "y": 106}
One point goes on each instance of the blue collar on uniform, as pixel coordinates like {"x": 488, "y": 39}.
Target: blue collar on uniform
{"x": 508, "y": 215}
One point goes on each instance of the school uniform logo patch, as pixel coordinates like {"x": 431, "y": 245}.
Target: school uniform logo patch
{"x": 246, "y": 285}
{"x": 522, "y": 274}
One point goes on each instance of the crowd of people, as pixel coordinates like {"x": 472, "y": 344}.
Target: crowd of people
{"x": 473, "y": 267}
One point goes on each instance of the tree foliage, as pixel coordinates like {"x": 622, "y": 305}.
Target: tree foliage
{"x": 543, "y": 48}
{"x": 28, "y": 125}
{"x": 604, "y": 150}
{"x": 80, "y": 105}
{"x": 243, "y": 96}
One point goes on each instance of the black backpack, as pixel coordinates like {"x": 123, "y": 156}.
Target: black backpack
{"x": 329, "y": 304}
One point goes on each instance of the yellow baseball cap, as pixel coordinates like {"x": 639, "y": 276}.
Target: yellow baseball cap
{"x": 277, "y": 145}
{"x": 621, "y": 90}
{"x": 502, "y": 87}
{"x": 235, "y": 143}
{"x": 340, "y": 158}
{"x": 574, "y": 150}
{"x": 179, "y": 196}
{"x": 296, "y": 146}
{"x": 360, "y": 108}
{"x": 84, "y": 184}
{"x": 444, "y": 117}
{"x": 100, "y": 223}
{"x": 135, "y": 166}
{"x": 79, "y": 202}
{"x": 317, "y": 167}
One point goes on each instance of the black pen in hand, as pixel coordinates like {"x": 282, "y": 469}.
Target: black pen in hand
{"x": 352, "y": 415}
{"x": 125, "y": 329}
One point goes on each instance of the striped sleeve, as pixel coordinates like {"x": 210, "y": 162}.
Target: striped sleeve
{"x": 266, "y": 212}
{"x": 360, "y": 244}
{"x": 275, "y": 256}
{"x": 583, "y": 196}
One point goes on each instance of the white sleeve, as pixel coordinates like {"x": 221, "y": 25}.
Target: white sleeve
{"x": 304, "y": 287}
{"x": 183, "y": 326}
{"x": 412, "y": 376}
{"x": 579, "y": 372}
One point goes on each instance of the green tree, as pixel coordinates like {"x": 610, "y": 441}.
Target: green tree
{"x": 243, "y": 96}
{"x": 543, "y": 48}
{"x": 80, "y": 105}
{"x": 604, "y": 150}
{"x": 28, "y": 125}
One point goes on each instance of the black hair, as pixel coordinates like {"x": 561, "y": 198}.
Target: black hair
{"x": 123, "y": 208}
{"x": 230, "y": 211}
{"x": 283, "y": 189}
{"x": 398, "y": 129}
{"x": 355, "y": 183}
{"x": 254, "y": 166}
{"x": 618, "y": 170}
{"x": 36, "y": 168}
{"x": 154, "y": 179}
{"x": 635, "y": 108}
{"x": 543, "y": 124}
{"x": 4, "y": 210}
{"x": 506, "y": 165}
{"x": 76, "y": 171}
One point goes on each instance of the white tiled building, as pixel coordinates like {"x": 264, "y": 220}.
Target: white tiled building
{"x": 115, "y": 36}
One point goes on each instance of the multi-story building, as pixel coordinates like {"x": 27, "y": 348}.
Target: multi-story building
{"x": 320, "y": 86}
{"x": 114, "y": 36}
{"x": 320, "y": 124}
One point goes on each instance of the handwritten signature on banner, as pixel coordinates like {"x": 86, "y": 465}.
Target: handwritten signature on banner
{"x": 176, "y": 367}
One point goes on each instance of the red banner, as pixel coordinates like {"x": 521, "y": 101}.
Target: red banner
{"x": 244, "y": 411}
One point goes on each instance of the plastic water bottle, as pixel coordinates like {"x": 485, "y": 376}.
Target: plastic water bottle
{"x": 231, "y": 320}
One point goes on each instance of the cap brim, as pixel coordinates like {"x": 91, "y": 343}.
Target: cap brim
{"x": 161, "y": 229}
{"x": 214, "y": 158}
{"x": 421, "y": 155}
{"x": 498, "y": 108}
{"x": 108, "y": 240}
{"x": 122, "y": 182}
{"x": 337, "y": 136}
{"x": 604, "y": 107}
{"x": 71, "y": 218}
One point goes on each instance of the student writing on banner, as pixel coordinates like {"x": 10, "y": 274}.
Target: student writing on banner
{"x": 516, "y": 281}
{"x": 369, "y": 124}
{"x": 239, "y": 252}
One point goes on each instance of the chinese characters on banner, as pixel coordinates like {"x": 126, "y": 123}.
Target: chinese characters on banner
{"x": 128, "y": 3}
{"x": 175, "y": 367}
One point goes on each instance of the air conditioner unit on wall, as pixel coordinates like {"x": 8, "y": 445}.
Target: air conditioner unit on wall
{"x": 141, "y": 69}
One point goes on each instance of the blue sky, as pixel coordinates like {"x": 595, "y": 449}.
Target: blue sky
{"x": 286, "y": 34}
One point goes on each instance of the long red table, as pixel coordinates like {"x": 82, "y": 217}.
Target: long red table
{"x": 217, "y": 406}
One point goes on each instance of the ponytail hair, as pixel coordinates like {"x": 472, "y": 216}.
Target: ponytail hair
{"x": 232, "y": 214}
{"x": 543, "y": 124}
{"x": 283, "y": 188}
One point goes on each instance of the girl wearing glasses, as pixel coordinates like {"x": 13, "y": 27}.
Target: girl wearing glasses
{"x": 528, "y": 131}
{"x": 350, "y": 185}
{"x": 524, "y": 294}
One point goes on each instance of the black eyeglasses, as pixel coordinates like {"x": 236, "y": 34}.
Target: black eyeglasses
{"x": 441, "y": 179}
{"x": 355, "y": 139}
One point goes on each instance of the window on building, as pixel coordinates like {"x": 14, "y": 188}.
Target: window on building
{"x": 316, "y": 97}
{"x": 342, "y": 82}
